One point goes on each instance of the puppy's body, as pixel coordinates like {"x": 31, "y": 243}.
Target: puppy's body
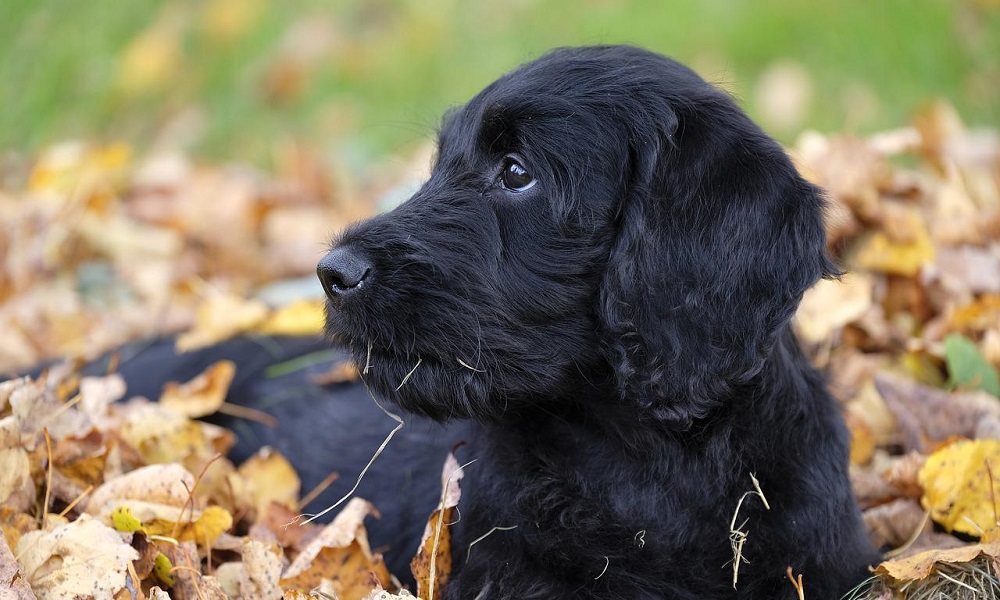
{"x": 600, "y": 274}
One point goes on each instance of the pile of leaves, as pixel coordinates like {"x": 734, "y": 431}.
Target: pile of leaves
{"x": 104, "y": 498}
{"x": 107, "y": 496}
{"x": 911, "y": 340}
{"x": 98, "y": 247}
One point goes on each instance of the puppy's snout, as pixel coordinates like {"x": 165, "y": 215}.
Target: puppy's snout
{"x": 342, "y": 271}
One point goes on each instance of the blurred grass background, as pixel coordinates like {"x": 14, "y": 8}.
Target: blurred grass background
{"x": 363, "y": 79}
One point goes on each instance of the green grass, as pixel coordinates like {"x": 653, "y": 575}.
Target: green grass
{"x": 390, "y": 67}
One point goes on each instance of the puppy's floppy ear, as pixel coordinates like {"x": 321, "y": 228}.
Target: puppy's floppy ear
{"x": 717, "y": 239}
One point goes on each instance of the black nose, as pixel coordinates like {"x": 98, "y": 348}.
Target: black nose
{"x": 342, "y": 271}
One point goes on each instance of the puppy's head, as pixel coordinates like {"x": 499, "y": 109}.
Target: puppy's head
{"x": 600, "y": 224}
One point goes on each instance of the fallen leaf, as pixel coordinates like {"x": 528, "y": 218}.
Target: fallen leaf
{"x": 302, "y": 317}
{"x": 895, "y": 523}
{"x": 161, "y": 435}
{"x": 219, "y": 317}
{"x": 960, "y": 488}
{"x": 202, "y": 395}
{"x": 150, "y": 60}
{"x": 62, "y": 562}
{"x": 832, "y": 304}
{"x": 967, "y": 367}
{"x": 919, "y": 566}
{"x": 260, "y": 571}
{"x": 272, "y": 479}
{"x": 12, "y": 585}
{"x": 340, "y": 553}
{"x": 980, "y": 314}
{"x": 431, "y": 566}
{"x": 168, "y": 485}
{"x": 341, "y": 372}
{"x": 876, "y": 251}
{"x": 17, "y": 488}
{"x": 926, "y": 416}
{"x": 189, "y": 582}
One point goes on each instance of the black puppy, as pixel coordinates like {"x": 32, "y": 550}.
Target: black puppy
{"x": 600, "y": 274}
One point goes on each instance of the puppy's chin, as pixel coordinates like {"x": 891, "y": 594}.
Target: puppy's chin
{"x": 427, "y": 387}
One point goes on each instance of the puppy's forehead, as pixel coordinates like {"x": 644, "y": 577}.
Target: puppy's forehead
{"x": 566, "y": 92}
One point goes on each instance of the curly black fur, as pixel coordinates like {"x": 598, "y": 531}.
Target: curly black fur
{"x": 618, "y": 330}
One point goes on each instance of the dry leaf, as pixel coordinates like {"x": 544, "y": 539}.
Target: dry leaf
{"x": 340, "y": 553}
{"x": 204, "y": 394}
{"x": 876, "y": 251}
{"x": 162, "y": 435}
{"x": 189, "y": 583}
{"x": 168, "y": 485}
{"x": 260, "y": 571}
{"x": 831, "y": 304}
{"x": 272, "y": 479}
{"x": 17, "y": 489}
{"x": 12, "y": 585}
{"x": 302, "y": 317}
{"x": 962, "y": 484}
{"x": 220, "y": 317}
{"x": 919, "y": 566}
{"x": 927, "y": 416}
{"x": 432, "y": 565}
{"x": 895, "y": 523}
{"x": 61, "y": 562}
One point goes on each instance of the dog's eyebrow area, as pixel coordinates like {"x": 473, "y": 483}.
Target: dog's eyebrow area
{"x": 498, "y": 129}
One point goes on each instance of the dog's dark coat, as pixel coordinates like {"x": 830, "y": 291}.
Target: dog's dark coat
{"x": 599, "y": 274}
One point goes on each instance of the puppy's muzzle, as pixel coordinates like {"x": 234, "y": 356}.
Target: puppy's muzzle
{"x": 343, "y": 271}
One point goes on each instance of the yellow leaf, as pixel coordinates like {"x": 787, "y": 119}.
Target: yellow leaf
{"x": 878, "y": 252}
{"x": 919, "y": 566}
{"x": 214, "y": 521}
{"x": 302, "y": 317}
{"x": 150, "y": 61}
{"x": 980, "y": 315}
{"x": 962, "y": 484}
{"x": 228, "y": 20}
{"x": 204, "y": 394}
{"x": 220, "y": 317}
{"x": 273, "y": 478}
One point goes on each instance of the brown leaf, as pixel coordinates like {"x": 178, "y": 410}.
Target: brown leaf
{"x": 432, "y": 565}
{"x": 189, "y": 583}
{"x": 340, "y": 553}
{"x": 927, "y": 416}
{"x": 273, "y": 524}
{"x": 896, "y": 522}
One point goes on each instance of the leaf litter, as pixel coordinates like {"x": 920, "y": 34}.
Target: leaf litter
{"x": 100, "y": 247}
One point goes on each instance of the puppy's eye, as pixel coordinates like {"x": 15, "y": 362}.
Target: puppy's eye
{"x": 513, "y": 175}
